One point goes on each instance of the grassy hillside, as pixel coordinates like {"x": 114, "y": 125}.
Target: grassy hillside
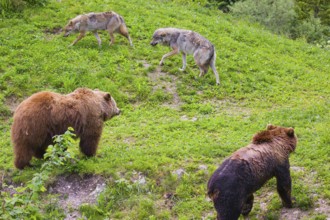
{"x": 176, "y": 128}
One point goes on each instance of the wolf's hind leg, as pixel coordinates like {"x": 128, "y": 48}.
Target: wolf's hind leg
{"x": 203, "y": 69}
{"x": 184, "y": 62}
{"x": 112, "y": 38}
{"x": 123, "y": 31}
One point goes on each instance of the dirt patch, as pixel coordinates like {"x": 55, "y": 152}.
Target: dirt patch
{"x": 12, "y": 102}
{"x": 167, "y": 202}
{"x": 75, "y": 190}
{"x": 145, "y": 63}
{"x": 55, "y": 30}
{"x": 186, "y": 118}
{"x": 229, "y": 107}
{"x": 138, "y": 178}
{"x": 7, "y": 185}
{"x": 167, "y": 83}
{"x": 292, "y": 214}
{"x": 129, "y": 140}
{"x": 321, "y": 206}
{"x": 51, "y": 32}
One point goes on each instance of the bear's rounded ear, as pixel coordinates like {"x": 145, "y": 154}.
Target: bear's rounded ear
{"x": 290, "y": 132}
{"x": 270, "y": 127}
{"x": 107, "y": 96}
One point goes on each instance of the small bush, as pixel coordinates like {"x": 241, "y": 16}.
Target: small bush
{"x": 280, "y": 17}
{"x": 25, "y": 202}
{"x": 19, "y": 5}
{"x": 312, "y": 30}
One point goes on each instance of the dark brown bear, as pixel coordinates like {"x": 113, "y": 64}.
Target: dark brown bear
{"x": 232, "y": 185}
{"x": 45, "y": 114}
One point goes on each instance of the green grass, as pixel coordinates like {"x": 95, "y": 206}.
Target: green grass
{"x": 264, "y": 79}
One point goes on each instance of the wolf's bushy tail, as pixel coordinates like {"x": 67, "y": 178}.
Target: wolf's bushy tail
{"x": 212, "y": 65}
{"x": 124, "y": 31}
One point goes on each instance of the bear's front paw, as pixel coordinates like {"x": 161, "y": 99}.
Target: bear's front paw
{"x": 290, "y": 204}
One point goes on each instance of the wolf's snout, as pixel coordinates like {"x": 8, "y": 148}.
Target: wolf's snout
{"x": 153, "y": 43}
{"x": 118, "y": 111}
{"x": 67, "y": 32}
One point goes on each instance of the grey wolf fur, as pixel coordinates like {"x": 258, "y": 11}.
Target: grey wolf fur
{"x": 110, "y": 21}
{"x": 188, "y": 42}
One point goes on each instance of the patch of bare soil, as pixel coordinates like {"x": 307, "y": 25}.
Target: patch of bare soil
{"x": 12, "y": 102}
{"x": 75, "y": 190}
{"x": 167, "y": 202}
{"x": 55, "y": 30}
{"x": 229, "y": 107}
{"x": 7, "y": 185}
{"x": 51, "y": 32}
{"x": 145, "y": 63}
{"x": 321, "y": 208}
{"x": 167, "y": 83}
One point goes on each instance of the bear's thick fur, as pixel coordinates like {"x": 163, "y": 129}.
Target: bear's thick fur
{"x": 232, "y": 185}
{"x": 45, "y": 114}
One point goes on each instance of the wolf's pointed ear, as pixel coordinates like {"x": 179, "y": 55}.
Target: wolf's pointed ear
{"x": 70, "y": 23}
{"x": 270, "y": 127}
{"x": 290, "y": 132}
{"x": 162, "y": 34}
{"x": 107, "y": 97}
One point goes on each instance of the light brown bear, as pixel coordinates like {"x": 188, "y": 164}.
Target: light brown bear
{"x": 232, "y": 185}
{"x": 45, "y": 114}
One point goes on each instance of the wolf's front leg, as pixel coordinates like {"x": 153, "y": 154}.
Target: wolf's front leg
{"x": 81, "y": 35}
{"x": 173, "y": 52}
{"x": 97, "y": 38}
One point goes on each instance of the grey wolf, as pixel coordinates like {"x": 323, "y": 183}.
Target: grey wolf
{"x": 232, "y": 185}
{"x": 110, "y": 21}
{"x": 187, "y": 42}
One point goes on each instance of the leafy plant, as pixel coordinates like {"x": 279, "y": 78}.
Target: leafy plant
{"x": 24, "y": 202}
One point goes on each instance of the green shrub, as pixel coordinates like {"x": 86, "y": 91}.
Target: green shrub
{"x": 312, "y": 30}
{"x": 18, "y": 5}
{"x": 281, "y": 18}
{"x": 278, "y": 16}
{"x": 25, "y": 202}
{"x": 223, "y": 5}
